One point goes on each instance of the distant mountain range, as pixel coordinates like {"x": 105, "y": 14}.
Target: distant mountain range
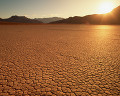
{"x": 112, "y": 17}
{"x": 23, "y": 19}
{"x": 19, "y": 19}
{"x": 48, "y": 20}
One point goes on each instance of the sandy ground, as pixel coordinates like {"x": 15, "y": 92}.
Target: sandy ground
{"x": 59, "y": 60}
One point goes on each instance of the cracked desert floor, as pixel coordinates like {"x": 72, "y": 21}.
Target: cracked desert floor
{"x": 60, "y": 60}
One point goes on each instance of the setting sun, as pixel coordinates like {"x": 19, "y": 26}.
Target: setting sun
{"x": 106, "y": 7}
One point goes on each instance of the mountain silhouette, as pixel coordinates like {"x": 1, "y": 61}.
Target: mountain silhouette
{"x": 48, "y": 20}
{"x": 20, "y": 19}
{"x": 112, "y": 17}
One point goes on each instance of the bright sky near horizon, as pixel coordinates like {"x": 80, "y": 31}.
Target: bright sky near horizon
{"x": 52, "y": 8}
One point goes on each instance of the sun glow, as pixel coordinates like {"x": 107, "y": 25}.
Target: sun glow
{"x": 106, "y": 7}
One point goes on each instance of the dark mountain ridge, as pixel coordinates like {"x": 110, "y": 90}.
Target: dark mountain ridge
{"x": 112, "y": 17}
{"x": 48, "y": 20}
{"x": 20, "y": 19}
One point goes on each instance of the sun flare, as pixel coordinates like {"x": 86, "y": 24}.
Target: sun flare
{"x": 106, "y": 7}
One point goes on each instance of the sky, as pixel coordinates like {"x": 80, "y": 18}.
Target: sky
{"x": 51, "y": 8}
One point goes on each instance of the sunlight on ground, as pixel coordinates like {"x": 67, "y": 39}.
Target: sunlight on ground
{"x": 103, "y": 32}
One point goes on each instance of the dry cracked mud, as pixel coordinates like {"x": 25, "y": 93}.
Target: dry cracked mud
{"x": 59, "y": 60}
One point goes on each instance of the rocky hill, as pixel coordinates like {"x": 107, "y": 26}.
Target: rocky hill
{"x": 20, "y": 19}
{"x": 48, "y": 20}
{"x": 112, "y": 17}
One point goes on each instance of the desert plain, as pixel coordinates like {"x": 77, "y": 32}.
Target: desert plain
{"x": 60, "y": 60}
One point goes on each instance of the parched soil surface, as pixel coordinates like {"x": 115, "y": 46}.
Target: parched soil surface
{"x": 62, "y": 60}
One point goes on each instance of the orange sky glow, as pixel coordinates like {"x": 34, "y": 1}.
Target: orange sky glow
{"x": 55, "y": 8}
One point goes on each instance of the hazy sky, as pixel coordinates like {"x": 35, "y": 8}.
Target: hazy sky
{"x": 50, "y": 8}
